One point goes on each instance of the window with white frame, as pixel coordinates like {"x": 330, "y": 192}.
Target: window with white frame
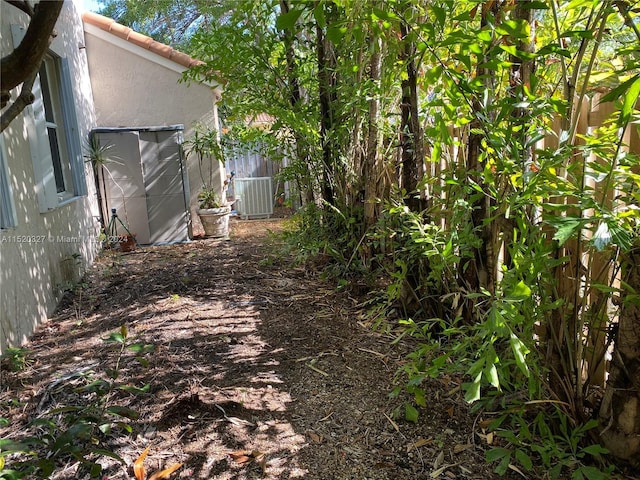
{"x": 53, "y": 133}
{"x": 54, "y": 123}
{"x": 56, "y": 149}
{"x": 7, "y": 207}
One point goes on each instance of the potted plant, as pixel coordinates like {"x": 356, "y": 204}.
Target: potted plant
{"x": 213, "y": 211}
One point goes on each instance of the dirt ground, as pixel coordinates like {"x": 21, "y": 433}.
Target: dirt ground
{"x": 260, "y": 369}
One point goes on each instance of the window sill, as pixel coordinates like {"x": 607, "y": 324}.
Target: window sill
{"x": 64, "y": 200}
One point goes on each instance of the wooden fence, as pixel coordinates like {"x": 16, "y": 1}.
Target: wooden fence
{"x": 592, "y": 115}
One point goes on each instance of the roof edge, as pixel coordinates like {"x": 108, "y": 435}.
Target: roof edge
{"x": 111, "y": 26}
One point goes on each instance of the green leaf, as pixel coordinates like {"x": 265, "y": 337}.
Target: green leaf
{"x": 420, "y": 398}
{"x": 554, "y": 49}
{"x": 630, "y": 100}
{"x": 80, "y": 430}
{"x": 9, "y": 446}
{"x": 67, "y": 409}
{"x": 97, "y": 386}
{"x": 410, "y": 413}
{"x": 595, "y": 450}
{"x": 520, "y": 352}
{"x": 620, "y": 90}
{"x": 286, "y": 21}
{"x": 520, "y": 291}
{"x": 524, "y": 459}
{"x": 123, "y": 412}
{"x": 514, "y": 28}
{"x": 585, "y": 34}
{"x": 491, "y": 374}
{"x": 383, "y": 15}
{"x": 566, "y": 227}
{"x": 496, "y": 454}
{"x": 126, "y": 427}
{"x": 143, "y": 361}
{"x": 318, "y": 14}
{"x": 140, "y": 347}
{"x": 335, "y": 33}
{"x": 473, "y": 389}
{"x": 46, "y": 466}
{"x": 105, "y": 428}
{"x": 10, "y": 474}
{"x": 440, "y": 14}
{"x": 96, "y": 469}
{"x": 115, "y": 337}
{"x": 591, "y": 473}
{"x": 134, "y": 389}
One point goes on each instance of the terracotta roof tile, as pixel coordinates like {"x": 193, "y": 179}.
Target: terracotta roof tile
{"x": 148, "y": 43}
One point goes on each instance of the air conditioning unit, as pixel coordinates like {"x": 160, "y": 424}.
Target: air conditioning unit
{"x": 254, "y": 197}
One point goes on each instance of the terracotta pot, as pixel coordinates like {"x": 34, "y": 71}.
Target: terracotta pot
{"x": 128, "y": 243}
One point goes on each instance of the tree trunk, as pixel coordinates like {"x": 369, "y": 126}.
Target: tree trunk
{"x": 411, "y": 141}
{"x": 479, "y": 271}
{"x": 372, "y": 171}
{"x": 620, "y": 409}
{"x": 326, "y": 90}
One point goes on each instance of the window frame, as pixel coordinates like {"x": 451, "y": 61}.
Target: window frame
{"x": 8, "y": 217}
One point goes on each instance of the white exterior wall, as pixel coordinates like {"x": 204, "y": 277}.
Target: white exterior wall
{"x": 37, "y": 255}
{"x": 133, "y": 87}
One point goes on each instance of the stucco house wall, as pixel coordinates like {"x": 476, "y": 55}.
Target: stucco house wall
{"x": 46, "y": 248}
{"x": 135, "y": 83}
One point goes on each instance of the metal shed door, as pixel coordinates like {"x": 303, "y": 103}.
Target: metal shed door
{"x": 145, "y": 181}
{"x": 162, "y": 170}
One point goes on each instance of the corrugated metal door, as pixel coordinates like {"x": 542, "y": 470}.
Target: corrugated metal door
{"x": 145, "y": 181}
{"x": 162, "y": 170}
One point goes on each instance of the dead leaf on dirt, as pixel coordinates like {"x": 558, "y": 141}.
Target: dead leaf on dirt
{"x": 484, "y": 424}
{"x": 316, "y": 438}
{"x": 436, "y": 473}
{"x": 487, "y": 437}
{"x": 517, "y": 470}
{"x": 241, "y": 456}
{"x": 140, "y": 472}
{"x": 245, "y": 456}
{"x": 421, "y": 442}
{"x": 450, "y": 411}
{"x": 373, "y": 352}
{"x": 439, "y": 460}
{"x": 393, "y": 424}
{"x": 462, "y": 447}
{"x": 138, "y": 467}
{"x": 166, "y": 472}
{"x": 261, "y": 459}
{"x": 315, "y": 369}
